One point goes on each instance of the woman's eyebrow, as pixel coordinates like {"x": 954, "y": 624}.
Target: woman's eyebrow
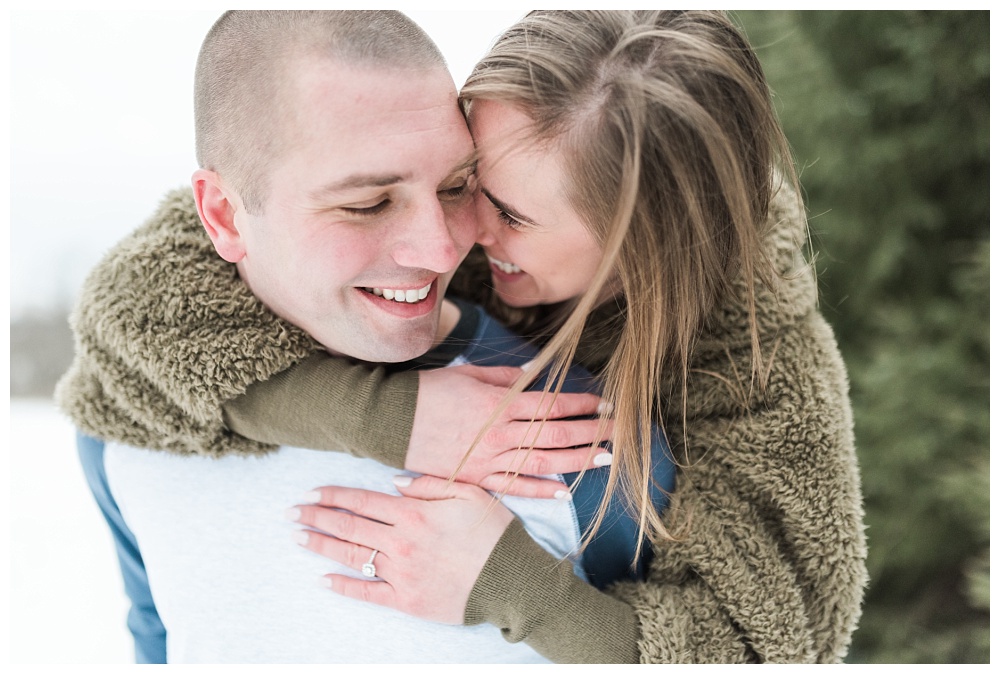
{"x": 506, "y": 208}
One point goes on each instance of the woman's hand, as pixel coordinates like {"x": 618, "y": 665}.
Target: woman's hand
{"x": 432, "y": 542}
{"x": 453, "y": 405}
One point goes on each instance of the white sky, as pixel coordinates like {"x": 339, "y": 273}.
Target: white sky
{"x": 101, "y": 127}
{"x": 66, "y": 602}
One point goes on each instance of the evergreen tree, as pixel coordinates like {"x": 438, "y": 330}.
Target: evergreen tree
{"x": 888, "y": 115}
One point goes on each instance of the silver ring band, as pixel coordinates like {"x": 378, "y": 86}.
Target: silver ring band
{"x": 368, "y": 568}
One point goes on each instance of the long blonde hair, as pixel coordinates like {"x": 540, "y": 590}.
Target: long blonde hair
{"x": 666, "y": 128}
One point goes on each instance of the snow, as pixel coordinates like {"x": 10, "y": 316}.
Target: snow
{"x": 67, "y": 604}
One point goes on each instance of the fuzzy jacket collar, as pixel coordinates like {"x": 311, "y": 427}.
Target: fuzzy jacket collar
{"x": 165, "y": 332}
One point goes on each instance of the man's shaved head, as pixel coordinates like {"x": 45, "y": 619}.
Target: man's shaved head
{"x": 243, "y": 74}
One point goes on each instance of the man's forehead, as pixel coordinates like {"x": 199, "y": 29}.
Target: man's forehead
{"x": 364, "y": 81}
{"x": 365, "y": 100}
{"x": 350, "y": 126}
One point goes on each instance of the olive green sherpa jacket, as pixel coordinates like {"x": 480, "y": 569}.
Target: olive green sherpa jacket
{"x": 771, "y": 564}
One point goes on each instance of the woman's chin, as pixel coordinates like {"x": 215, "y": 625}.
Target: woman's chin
{"x": 513, "y": 298}
{"x": 517, "y": 301}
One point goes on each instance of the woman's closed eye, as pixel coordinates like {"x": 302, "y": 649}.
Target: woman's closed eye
{"x": 502, "y": 214}
{"x": 507, "y": 219}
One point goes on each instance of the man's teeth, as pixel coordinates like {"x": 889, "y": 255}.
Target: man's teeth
{"x": 506, "y": 267}
{"x": 409, "y": 296}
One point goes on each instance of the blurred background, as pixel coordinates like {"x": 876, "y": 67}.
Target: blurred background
{"x": 888, "y": 116}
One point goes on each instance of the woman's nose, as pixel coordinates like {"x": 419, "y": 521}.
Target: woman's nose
{"x": 485, "y": 222}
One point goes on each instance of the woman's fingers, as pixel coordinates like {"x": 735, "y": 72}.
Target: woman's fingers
{"x": 440, "y": 440}
{"x": 552, "y": 461}
{"x": 343, "y": 525}
{"x": 534, "y": 404}
{"x": 430, "y": 561}
{"x": 551, "y": 434}
{"x": 351, "y": 555}
{"x": 528, "y": 487}
{"x": 430, "y": 488}
{"x": 520, "y": 465}
{"x": 371, "y": 504}
{"x": 382, "y": 594}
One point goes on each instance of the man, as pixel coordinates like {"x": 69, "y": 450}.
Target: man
{"x": 336, "y": 175}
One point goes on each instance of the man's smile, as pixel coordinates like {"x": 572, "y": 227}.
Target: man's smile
{"x": 410, "y": 295}
{"x": 403, "y": 302}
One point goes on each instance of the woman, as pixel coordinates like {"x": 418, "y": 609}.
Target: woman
{"x": 637, "y": 220}
{"x": 653, "y": 132}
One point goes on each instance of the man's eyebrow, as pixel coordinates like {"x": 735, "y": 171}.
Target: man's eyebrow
{"x": 362, "y": 180}
{"x": 506, "y": 208}
{"x": 358, "y": 180}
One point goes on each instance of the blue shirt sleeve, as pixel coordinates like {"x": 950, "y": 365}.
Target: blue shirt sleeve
{"x": 143, "y": 621}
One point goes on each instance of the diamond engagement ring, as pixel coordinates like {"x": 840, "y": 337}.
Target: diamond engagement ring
{"x": 368, "y": 568}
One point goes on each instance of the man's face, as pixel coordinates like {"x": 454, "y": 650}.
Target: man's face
{"x": 371, "y": 199}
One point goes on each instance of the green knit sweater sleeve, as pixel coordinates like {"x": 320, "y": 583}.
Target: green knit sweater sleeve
{"x": 668, "y": 618}
{"x": 329, "y": 404}
{"x": 534, "y": 597}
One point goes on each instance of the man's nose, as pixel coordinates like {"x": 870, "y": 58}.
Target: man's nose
{"x": 433, "y": 240}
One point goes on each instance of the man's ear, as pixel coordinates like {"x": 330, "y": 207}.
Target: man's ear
{"x": 217, "y": 207}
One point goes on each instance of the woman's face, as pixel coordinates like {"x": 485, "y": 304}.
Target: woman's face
{"x": 539, "y": 248}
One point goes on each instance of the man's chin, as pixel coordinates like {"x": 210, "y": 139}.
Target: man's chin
{"x": 376, "y": 330}
{"x": 389, "y": 343}
{"x": 398, "y": 350}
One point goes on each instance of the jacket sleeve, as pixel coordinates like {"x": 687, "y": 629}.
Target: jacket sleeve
{"x": 327, "y": 403}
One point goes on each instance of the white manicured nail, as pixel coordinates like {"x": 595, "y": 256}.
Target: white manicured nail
{"x": 602, "y": 460}
{"x": 325, "y": 582}
{"x": 301, "y": 537}
{"x": 292, "y": 514}
{"x": 605, "y": 406}
{"x": 313, "y": 496}
{"x": 527, "y": 366}
{"x": 402, "y": 481}
{"x": 563, "y": 495}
